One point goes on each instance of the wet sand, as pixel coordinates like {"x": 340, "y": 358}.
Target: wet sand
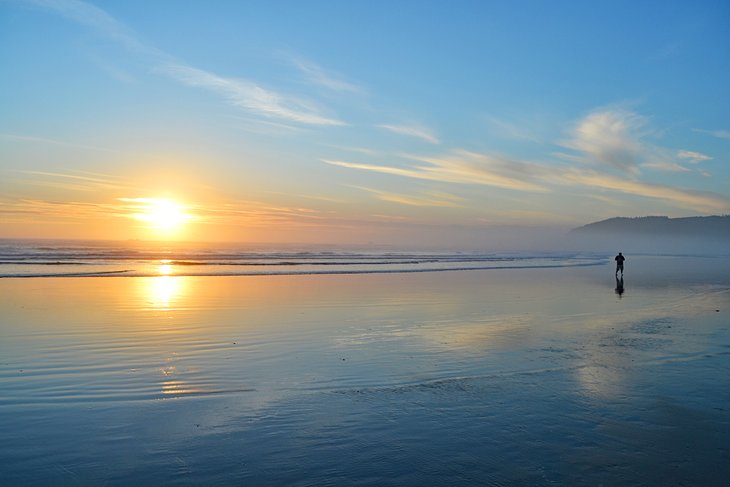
{"x": 498, "y": 377}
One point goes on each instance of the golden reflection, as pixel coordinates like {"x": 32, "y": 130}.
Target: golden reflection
{"x": 498, "y": 332}
{"x": 164, "y": 290}
{"x": 602, "y": 381}
{"x": 178, "y": 387}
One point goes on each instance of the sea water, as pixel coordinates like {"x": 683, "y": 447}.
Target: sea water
{"x": 28, "y": 258}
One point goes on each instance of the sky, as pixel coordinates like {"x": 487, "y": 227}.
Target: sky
{"x": 378, "y": 122}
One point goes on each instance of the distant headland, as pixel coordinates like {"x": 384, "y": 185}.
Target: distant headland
{"x": 717, "y": 226}
{"x": 652, "y": 234}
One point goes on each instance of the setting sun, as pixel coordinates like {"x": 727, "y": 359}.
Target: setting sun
{"x": 161, "y": 214}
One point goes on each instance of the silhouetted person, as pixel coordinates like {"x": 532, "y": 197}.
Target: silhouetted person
{"x": 620, "y": 263}
{"x": 620, "y": 286}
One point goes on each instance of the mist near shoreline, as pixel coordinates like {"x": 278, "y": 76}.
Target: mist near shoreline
{"x": 448, "y": 238}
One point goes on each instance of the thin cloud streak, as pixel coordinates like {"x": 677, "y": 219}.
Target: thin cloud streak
{"x": 241, "y": 93}
{"x": 697, "y": 201}
{"x": 250, "y": 96}
{"x": 359, "y": 150}
{"x": 464, "y": 167}
{"x": 78, "y": 181}
{"x": 669, "y": 162}
{"x": 720, "y": 134}
{"x": 318, "y": 76}
{"x": 248, "y": 213}
{"x": 66, "y": 210}
{"x": 434, "y": 199}
{"x": 491, "y": 170}
{"x": 98, "y": 20}
{"x": 511, "y": 131}
{"x": 256, "y": 213}
{"x": 265, "y": 127}
{"x": 693, "y": 157}
{"x": 412, "y": 131}
{"x": 61, "y": 143}
{"x": 666, "y": 166}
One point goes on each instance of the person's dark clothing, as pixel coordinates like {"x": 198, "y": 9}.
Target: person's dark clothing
{"x": 619, "y": 262}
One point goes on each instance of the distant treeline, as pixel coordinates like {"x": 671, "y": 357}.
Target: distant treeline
{"x": 655, "y": 226}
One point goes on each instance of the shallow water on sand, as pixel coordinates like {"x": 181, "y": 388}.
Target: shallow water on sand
{"x": 498, "y": 377}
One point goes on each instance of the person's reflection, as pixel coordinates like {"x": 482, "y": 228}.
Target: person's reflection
{"x": 619, "y": 286}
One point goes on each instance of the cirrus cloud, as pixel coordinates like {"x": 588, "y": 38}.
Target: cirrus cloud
{"x": 693, "y": 157}
{"x": 436, "y": 199}
{"x": 462, "y": 167}
{"x": 412, "y": 131}
{"x": 250, "y": 96}
{"x": 610, "y": 137}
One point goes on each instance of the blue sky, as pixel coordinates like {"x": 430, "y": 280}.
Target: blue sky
{"x": 360, "y": 121}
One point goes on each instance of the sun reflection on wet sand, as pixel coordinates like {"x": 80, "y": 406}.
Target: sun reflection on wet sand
{"x": 173, "y": 385}
{"x": 165, "y": 290}
{"x": 165, "y": 268}
{"x": 177, "y": 388}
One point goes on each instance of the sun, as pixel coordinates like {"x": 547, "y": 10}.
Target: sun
{"x": 161, "y": 214}
{"x": 165, "y": 214}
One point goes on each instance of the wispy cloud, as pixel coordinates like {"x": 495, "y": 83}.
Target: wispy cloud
{"x": 250, "y": 96}
{"x": 436, "y": 199}
{"x": 720, "y": 134}
{"x": 610, "y": 137}
{"x": 705, "y": 202}
{"x": 672, "y": 162}
{"x": 318, "y": 76}
{"x": 359, "y": 150}
{"x": 266, "y": 127}
{"x": 412, "y": 131}
{"x": 115, "y": 71}
{"x": 241, "y": 93}
{"x": 666, "y": 166}
{"x": 693, "y": 157}
{"x": 486, "y": 169}
{"x": 412, "y": 173}
{"x": 236, "y": 213}
{"x": 464, "y": 167}
{"x": 256, "y": 213}
{"x": 29, "y": 209}
{"x": 60, "y": 143}
{"x": 510, "y": 130}
{"x": 76, "y": 181}
{"x": 98, "y": 20}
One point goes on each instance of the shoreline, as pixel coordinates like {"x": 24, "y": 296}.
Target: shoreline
{"x": 302, "y": 273}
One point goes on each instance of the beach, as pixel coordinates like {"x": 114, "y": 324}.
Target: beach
{"x": 514, "y": 376}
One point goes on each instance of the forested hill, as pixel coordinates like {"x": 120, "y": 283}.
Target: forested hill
{"x": 696, "y": 227}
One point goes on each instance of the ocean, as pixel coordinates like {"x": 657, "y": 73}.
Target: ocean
{"x": 58, "y": 258}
